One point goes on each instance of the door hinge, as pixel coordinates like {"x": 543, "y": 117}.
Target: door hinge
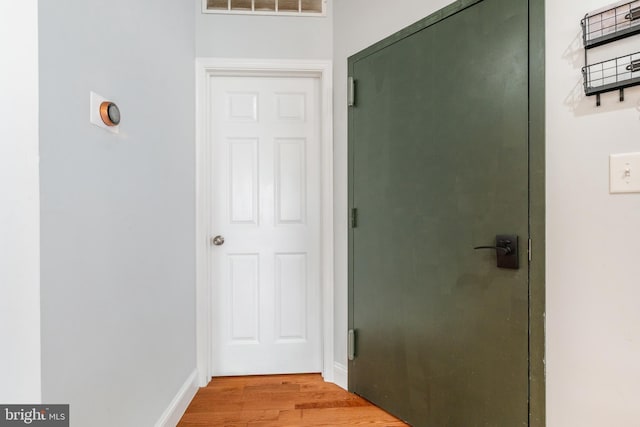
{"x": 351, "y": 92}
{"x": 354, "y": 218}
{"x": 529, "y": 250}
{"x": 351, "y": 345}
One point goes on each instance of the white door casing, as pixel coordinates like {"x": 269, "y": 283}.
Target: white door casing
{"x": 266, "y": 206}
{"x": 275, "y": 215}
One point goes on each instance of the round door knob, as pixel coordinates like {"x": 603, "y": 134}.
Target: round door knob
{"x": 218, "y": 240}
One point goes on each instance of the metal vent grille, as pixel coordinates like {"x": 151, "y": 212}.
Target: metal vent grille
{"x": 266, "y": 7}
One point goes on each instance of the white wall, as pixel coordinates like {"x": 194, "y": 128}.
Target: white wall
{"x": 357, "y": 25}
{"x": 118, "y": 280}
{"x": 261, "y": 36}
{"x": 19, "y": 204}
{"x": 593, "y": 273}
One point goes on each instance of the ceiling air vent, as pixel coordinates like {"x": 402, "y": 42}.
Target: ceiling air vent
{"x": 267, "y": 7}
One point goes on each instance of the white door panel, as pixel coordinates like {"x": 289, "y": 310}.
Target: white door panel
{"x": 266, "y": 204}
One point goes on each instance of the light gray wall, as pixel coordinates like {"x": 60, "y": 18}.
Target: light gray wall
{"x": 117, "y": 213}
{"x": 593, "y": 273}
{"x": 261, "y": 36}
{"x": 19, "y": 204}
{"x": 357, "y": 25}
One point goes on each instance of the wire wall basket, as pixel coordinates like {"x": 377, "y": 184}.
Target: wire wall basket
{"x": 613, "y": 74}
{"x": 611, "y": 24}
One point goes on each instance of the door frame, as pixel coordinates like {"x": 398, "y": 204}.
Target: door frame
{"x": 206, "y": 69}
{"x": 537, "y": 188}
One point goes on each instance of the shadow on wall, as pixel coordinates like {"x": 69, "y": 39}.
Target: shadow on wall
{"x": 583, "y": 105}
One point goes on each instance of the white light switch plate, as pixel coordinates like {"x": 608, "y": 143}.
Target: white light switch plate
{"x": 94, "y": 112}
{"x": 624, "y": 173}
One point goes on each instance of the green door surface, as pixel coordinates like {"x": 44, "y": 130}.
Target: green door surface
{"x": 438, "y": 147}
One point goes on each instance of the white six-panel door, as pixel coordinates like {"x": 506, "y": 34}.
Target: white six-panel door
{"x": 266, "y": 205}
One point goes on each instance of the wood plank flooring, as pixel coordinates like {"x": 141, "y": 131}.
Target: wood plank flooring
{"x": 281, "y": 400}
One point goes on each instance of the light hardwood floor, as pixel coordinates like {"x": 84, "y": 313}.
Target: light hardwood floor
{"x": 281, "y": 400}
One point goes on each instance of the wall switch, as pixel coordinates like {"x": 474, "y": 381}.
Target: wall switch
{"x": 624, "y": 170}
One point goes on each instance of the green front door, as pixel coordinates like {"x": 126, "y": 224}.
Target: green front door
{"x": 439, "y": 165}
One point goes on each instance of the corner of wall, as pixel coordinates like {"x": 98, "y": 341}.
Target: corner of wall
{"x": 174, "y": 412}
{"x": 341, "y": 375}
{"x": 20, "y": 358}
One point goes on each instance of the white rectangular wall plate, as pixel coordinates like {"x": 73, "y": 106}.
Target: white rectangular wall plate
{"x": 624, "y": 173}
{"x": 94, "y": 112}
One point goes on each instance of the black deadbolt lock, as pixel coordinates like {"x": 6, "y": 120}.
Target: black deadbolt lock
{"x": 506, "y": 250}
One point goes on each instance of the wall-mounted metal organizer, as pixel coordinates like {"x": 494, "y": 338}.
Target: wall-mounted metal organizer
{"x": 613, "y": 74}
{"x": 605, "y": 27}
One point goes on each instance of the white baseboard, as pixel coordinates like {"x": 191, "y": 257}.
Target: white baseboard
{"x": 340, "y": 375}
{"x": 180, "y": 402}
